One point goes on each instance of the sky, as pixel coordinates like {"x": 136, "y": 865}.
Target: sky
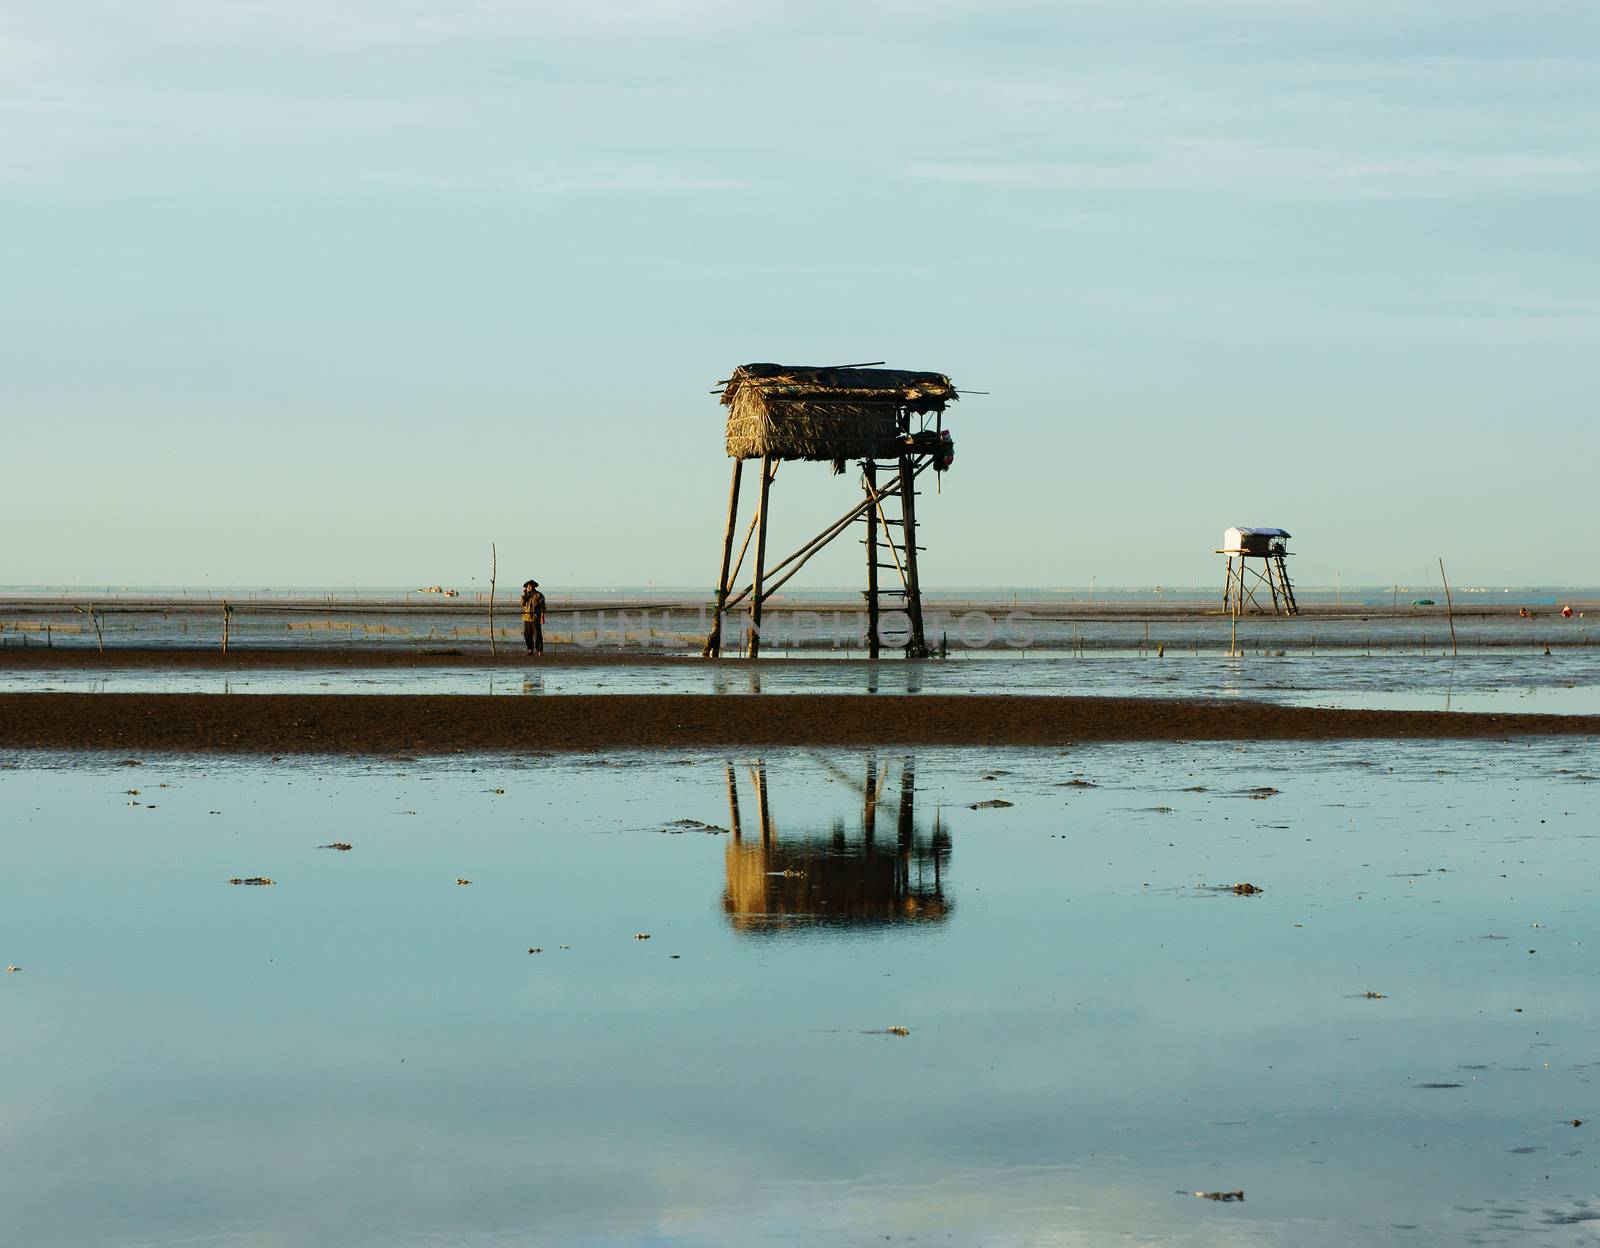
{"x": 299, "y": 293}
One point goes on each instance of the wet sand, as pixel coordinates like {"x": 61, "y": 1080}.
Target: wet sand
{"x": 452, "y": 723}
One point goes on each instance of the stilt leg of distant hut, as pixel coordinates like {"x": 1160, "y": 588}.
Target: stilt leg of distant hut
{"x": 870, "y": 480}
{"x": 1227, "y": 584}
{"x": 761, "y": 559}
{"x": 713, "y": 646}
{"x": 917, "y": 645}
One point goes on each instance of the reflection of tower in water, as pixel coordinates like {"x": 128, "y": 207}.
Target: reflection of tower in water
{"x": 888, "y": 872}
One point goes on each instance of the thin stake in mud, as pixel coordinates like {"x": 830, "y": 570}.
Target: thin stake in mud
{"x": 1449, "y": 607}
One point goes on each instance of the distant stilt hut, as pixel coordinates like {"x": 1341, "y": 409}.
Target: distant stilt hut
{"x": 1242, "y": 580}
{"x": 889, "y": 422}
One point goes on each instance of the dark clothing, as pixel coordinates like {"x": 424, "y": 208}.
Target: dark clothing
{"x": 533, "y": 620}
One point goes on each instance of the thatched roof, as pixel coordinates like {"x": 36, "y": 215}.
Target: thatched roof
{"x": 804, "y": 412}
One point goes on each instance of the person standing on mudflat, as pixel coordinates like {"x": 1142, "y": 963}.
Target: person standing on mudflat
{"x": 532, "y": 617}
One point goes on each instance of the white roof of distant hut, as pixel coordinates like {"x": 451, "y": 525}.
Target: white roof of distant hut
{"x": 1251, "y": 540}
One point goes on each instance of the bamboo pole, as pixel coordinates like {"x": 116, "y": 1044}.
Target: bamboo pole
{"x": 917, "y": 646}
{"x": 713, "y": 646}
{"x": 1449, "y": 606}
{"x": 744, "y": 549}
{"x": 869, "y": 472}
{"x": 494, "y": 568}
{"x": 761, "y": 558}
{"x": 877, "y": 500}
{"x": 227, "y": 615}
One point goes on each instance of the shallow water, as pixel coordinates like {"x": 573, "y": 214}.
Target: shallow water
{"x": 365, "y": 1052}
{"x": 985, "y": 626}
{"x": 1565, "y": 682}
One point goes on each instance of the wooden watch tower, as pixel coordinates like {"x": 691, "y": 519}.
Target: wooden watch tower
{"x": 889, "y": 422}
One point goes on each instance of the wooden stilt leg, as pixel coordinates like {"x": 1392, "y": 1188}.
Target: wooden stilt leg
{"x": 713, "y": 646}
{"x": 917, "y": 646}
{"x": 761, "y": 558}
{"x": 1227, "y": 584}
{"x": 870, "y": 473}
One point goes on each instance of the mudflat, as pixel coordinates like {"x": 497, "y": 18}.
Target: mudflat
{"x": 452, "y": 723}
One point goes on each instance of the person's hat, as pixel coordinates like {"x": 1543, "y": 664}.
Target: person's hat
{"x": 535, "y": 584}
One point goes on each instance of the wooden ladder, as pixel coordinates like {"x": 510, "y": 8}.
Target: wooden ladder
{"x": 892, "y": 512}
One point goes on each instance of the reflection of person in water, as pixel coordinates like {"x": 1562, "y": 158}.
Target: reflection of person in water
{"x": 835, "y": 878}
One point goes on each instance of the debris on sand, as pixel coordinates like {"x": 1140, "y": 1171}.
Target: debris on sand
{"x": 897, "y": 1031}
{"x": 1375, "y": 996}
{"x": 536, "y": 949}
{"x": 1238, "y": 890}
{"x": 1261, "y": 793}
{"x": 13, "y": 969}
{"x": 679, "y": 826}
{"x": 1224, "y": 1197}
{"x": 1577, "y": 1122}
{"x": 254, "y": 879}
{"x": 641, "y": 935}
{"x": 463, "y": 881}
{"x": 1436, "y": 1085}
{"x": 339, "y": 845}
{"x": 994, "y": 803}
{"x": 1077, "y": 784}
{"x": 133, "y": 792}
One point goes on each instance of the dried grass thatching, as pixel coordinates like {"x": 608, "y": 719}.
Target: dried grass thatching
{"x": 801, "y": 412}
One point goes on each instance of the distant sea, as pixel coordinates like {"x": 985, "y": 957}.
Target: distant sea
{"x": 1136, "y": 595}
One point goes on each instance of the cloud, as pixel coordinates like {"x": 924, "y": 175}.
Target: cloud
{"x": 624, "y": 180}
{"x": 1262, "y": 170}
